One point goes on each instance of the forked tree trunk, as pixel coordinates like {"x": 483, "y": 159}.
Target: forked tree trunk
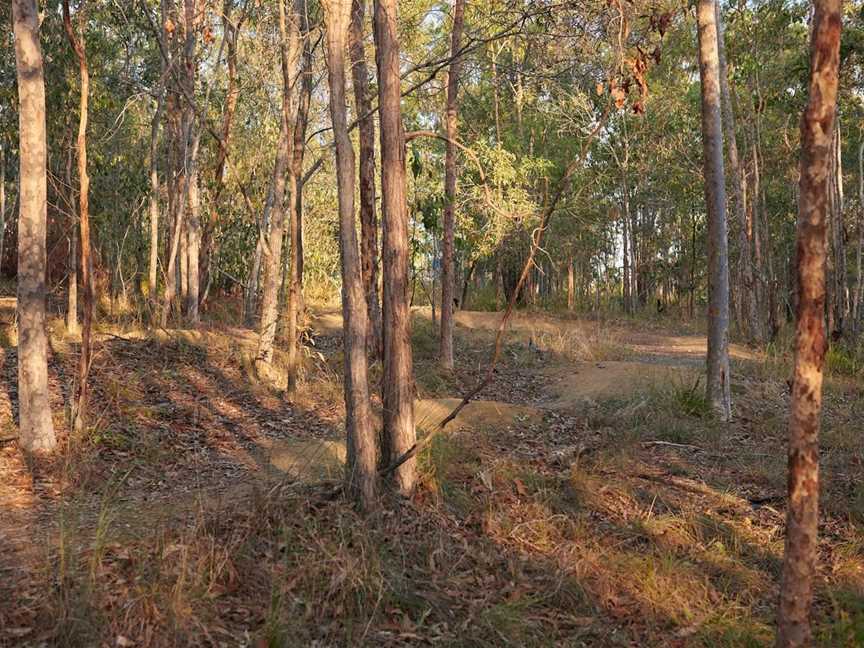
{"x": 399, "y": 434}
{"x": 295, "y": 222}
{"x": 746, "y": 292}
{"x": 34, "y": 409}
{"x": 368, "y": 217}
{"x": 717, "y": 385}
{"x": 361, "y": 476}
{"x": 448, "y": 275}
{"x": 802, "y": 515}
{"x": 289, "y": 44}
{"x": 79, "y": 412}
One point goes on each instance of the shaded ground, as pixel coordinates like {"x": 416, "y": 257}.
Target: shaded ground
{"x": 587, "y": 499}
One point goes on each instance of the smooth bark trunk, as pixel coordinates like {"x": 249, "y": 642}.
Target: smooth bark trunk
{"x": 34, "y": 409}
{"x": 747, "y": 296}
{"x": 718, "y": 390}
{"x": 295, "y": 213}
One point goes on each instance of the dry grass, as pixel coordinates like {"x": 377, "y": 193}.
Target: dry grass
{"x": 633, "y": 521}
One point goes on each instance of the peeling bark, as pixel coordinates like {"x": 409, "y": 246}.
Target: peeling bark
{"x": 802, "y": 515}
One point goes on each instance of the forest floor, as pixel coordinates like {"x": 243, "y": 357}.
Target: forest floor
{"x": 587, "y": 499}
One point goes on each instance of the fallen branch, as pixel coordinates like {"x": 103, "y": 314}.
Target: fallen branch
{"x": 669, "y": 444}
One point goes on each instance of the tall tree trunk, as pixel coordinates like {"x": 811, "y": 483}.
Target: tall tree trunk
{"x": 289, "y": 44}
{"x": 360, "y": 475}
{"x": 399, "y": 434}
{"x": 571, "y": 285}
{"x": 838, "y": 236}
{"x": 192, "y": 226}
{"x": 448, "y": 277}
{"x": 748, "y": 302}
{"x": 718, "y": 388}
{"x": 34, "y": 409}
{"x": 463, "y": 302}
{"x": 79, "y": 412}
{"x": 802, "y": 516}
{"x": 627, "y": 240}
{"x": 625, "y": 244}
{"x": 368, "y": 217}
{"x": 178, "y": 127}
{"x": 153, "y": 265}
{"x": 231, "y": 31}
{"x": 250, "y": 298}
{"x": 72, "y": 326}
{"x": 295, "y": 218}
{"x": 295, "y": 213}
{"x": 859, "y": 252}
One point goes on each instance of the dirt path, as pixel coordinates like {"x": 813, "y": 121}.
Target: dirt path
{"x": 635, "y": 360}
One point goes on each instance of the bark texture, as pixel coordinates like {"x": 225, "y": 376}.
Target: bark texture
{"x": 448, "y": 275}
{"x": 717, "y": 385}
{"x": 802, "y": 515}
{"x": 398, "y": 435}
{"x": 34, "y": 410}
{"x": 361, "y": 476}
{"x": 368, "y": 211}
{"x": 289, "y": 43}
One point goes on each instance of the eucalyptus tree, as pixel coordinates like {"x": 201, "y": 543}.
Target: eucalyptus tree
{"x": 361, "y": 475}
{"x": 366, "y": 137}
{"x": 817, "y": 150}
{"x": 718, "y": 384}
{"x": 34, "y": 409}
{"x": 290, "y": 47}
{"x": 398, "y": 435}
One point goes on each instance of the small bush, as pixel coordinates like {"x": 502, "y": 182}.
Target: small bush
{"x": 843, "y": 360}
